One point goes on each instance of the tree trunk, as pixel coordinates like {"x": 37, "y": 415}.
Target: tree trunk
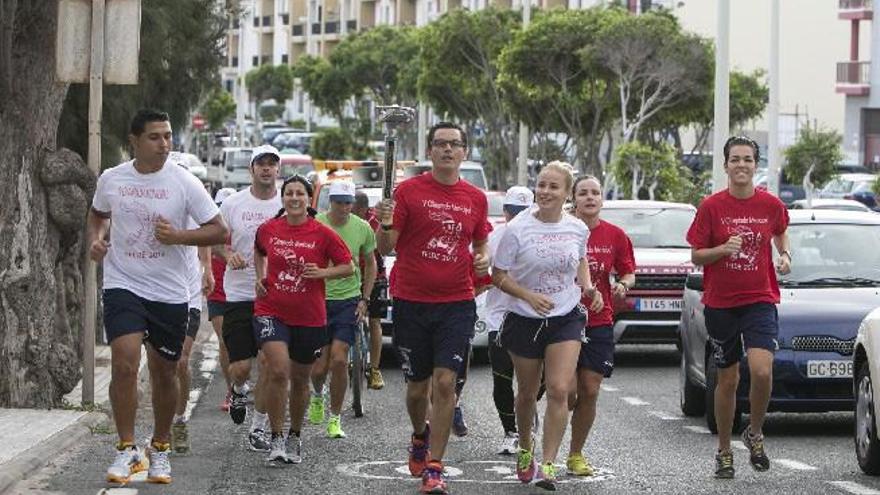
{"x": 45, "y": 197}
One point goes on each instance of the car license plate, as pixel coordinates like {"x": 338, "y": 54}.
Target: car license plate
{"x": 645, "y": 304}
{"x": 829, "y": 369}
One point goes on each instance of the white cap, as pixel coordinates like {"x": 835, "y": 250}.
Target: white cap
{"x": 342, "y": 191}
{"x": 519, "y": 196}
{"x": 222, "y": 194}
{"x": 266, "y": 149}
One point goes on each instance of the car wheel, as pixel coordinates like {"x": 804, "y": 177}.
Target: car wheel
{"x": 691, "y": 397}
{"x": 711, "y": 380}
{"x": 866, "y": 442}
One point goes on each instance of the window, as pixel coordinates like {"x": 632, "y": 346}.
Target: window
{"x": 229, "y": 85}
{"x": 256, "y": 21}
{"x": 285, "y": 19}
{"x": 255, "y": 61}
{"x": 267, "y": 20}
{"x": 235, "y": 61}
{"x": 284, "y": 58}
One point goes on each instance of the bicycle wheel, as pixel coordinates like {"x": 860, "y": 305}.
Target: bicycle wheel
{"x": 357, "y": 378}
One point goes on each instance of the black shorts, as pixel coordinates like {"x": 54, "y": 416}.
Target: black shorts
{"x": 163, "y": 324}
{"x": 529, "y": 337}
{"x": 378, "y": 306}
{"x": 193, "y": 322}
{"x": 238, "y": 330}
{"x": 597, "y": 351}
{"x": 432, "y": 335}
{"x": 215, "y": 309}
{"x": 303, "y": 343}
{"x": 732, "y": 331}
{"x": 342, "y": 320}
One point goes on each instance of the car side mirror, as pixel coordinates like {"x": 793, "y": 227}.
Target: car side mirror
{"x": 694, "y": 281}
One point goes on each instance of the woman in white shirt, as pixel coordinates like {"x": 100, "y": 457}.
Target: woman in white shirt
{"x": 541, "y": 262}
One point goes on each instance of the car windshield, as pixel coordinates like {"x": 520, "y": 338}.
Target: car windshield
{"x": 291, "y": 170}
{"x": 474, "y": 176}
{"x": 838, "y": 186}
{"x": 238, "y": 159}
{"x": 652, "y": 227}
{"x": 833, "y": 254}
{"x": 496, "y": 205}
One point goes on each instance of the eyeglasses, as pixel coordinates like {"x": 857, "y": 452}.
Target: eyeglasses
{"x": 442, "y": 143}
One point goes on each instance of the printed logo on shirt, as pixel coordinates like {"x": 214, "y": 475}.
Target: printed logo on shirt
{"x": 746, "y": 260}
{"x": 442, "y": 246}
{"x": 557, "y": 277}
{"x": 141, "y": 242}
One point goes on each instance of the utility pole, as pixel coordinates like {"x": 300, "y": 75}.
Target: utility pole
{"x": 773, "y": 165}
{"x": 522, "y": 175}
{"x": 722, "y": 95}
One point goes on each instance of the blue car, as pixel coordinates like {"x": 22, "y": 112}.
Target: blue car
{"x": 833, "y": 285}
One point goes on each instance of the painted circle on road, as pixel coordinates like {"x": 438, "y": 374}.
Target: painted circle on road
{"x": 488, "y": 472}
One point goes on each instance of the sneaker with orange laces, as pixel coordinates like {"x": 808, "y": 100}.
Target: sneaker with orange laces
{"x": 419, "y": 451}
{"x": 433, "y": 479}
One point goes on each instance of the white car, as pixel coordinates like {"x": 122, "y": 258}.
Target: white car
{"x": 829, "y": 204}
{"x": 866, "y": 372}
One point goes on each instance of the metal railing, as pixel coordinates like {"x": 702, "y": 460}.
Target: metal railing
{"x": 854, "y": 73}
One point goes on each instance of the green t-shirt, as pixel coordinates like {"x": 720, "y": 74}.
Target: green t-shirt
{"x": 361, "y": 241}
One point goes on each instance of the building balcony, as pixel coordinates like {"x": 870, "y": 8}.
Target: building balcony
{"x": 853, "y": 78}
{"x": 855, "y": 9}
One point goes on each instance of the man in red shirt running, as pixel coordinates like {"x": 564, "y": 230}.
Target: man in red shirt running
{"x": 730, "y": 238}
{"x": 434, "y": 219}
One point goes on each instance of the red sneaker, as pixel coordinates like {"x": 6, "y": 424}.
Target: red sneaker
{"x": 419, "y": 453}
{"x": 433, "y": 479}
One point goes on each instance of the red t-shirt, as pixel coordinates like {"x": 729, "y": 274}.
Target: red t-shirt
{"x": 609, "y": 251}
{"x": 437, "y": 224}
{"x": 218, "y": 268}
{"x": 749, "y": 276}
{"x": 295, "y": 300}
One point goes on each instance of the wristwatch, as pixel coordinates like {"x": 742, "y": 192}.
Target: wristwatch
{"x": 364, "y": 300}
{"x": 787, "y": 253}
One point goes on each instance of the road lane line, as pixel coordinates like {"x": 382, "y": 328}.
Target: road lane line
{"x": 737, "y": 444}
{"x": 634, "y": 401}
{"x": 609, "y": 388}
{"x": 665, "y": 416}
{"x": 792, "y": 464}
{"x": 118, "y": 491}
{"x": 698, "y": 429}
{"x": 855, "y": 488}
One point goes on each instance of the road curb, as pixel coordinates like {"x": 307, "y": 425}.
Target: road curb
{"x": 41, "y": 454}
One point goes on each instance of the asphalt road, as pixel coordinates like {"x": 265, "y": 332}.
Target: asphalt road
{"x": 640, "y": 443}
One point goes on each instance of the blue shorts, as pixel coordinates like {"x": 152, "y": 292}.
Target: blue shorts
{"x": 164, "y": 324}
{"x": 215, "y": 309}
{"x": 303, "y": 343}
{"x": 597, "y": 351}
{"x": 432, "y": 335}
{"x": 529, "y": 337}
{"x": 342, "y": 321}
{"x": 734, "y": 330}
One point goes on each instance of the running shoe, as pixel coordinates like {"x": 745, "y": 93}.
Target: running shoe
{"x": 160, "y": 466}
{"x": 374, "y": 379}
{"x": 757, "y": 456}
{"x": 280, "y": 454}
{"x": 129, "y": 460}
{"x": 509, "y": 444}
{"x": 179, "y": 438}
{"x": 316, "y": 409}
{"x": 294, "y": 449}
{"x": 433, "y": 479}
{"x": 258, "y": 441}
{"x": 227, "y": 402}
{"x": 238, "y": 406}
{"x": 525, "y": 465}
{"x": 578, "y": 465}
{"x": 419, "y": 451}
{"x": 459, "y": 427}
{"x": 724, "y": 464}
{"x": 334, "y": 427}
{"x": 546, "y": 477}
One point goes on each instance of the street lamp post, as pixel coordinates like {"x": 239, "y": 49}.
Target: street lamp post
{"x": 722, "y": 95}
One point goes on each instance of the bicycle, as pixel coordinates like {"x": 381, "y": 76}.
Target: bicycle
{"x": 358, "y": 360}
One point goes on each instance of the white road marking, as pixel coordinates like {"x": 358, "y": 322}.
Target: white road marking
{"x": 208, "y": 364}
{"x": 118, "y": 491}
{"x": 609, "y": 388}
{"x": 791, "y": 464}
{"x": 194, "y": 396}
{"x": 737, "y": 444}
{"x": 665, "y": 416}
{"x": 855, "y": 488}
{"x": 698, "y": 429}
{"x": 501, "y": 472}
{"x": 634, "y": 401}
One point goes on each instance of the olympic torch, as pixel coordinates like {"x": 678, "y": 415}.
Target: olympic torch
{"x": 394, "y": 117}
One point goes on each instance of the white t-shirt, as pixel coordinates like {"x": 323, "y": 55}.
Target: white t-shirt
{"x": 194, "y": 272}
{"x": 544, "y": 257}
{"x": 496, "y": 300}
{"x": 243, "y": 213}
{"x": 136, "y": 261}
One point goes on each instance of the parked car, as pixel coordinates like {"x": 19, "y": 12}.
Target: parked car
{"x": 829, "y": 204}
{"x": 235, "y": 167}
{"x": 866, "y": 368}
{"x": 298, "y": 140}
{"x": 190, "y": 162}
{"x": 650, "y": 312}
{"x": 851, "y": 186}
{"x": 470, "y": 171}
{"x": 833, "y": 284}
